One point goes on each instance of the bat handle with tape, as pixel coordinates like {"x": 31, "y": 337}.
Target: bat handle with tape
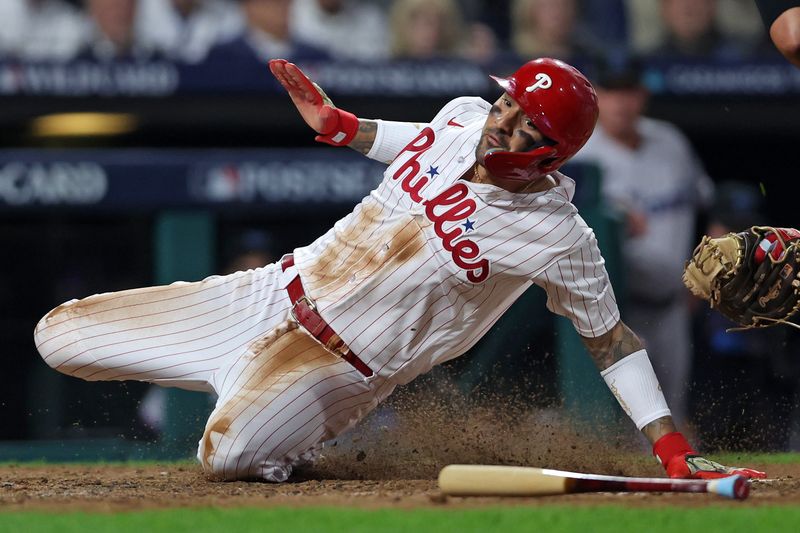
{"x": 488, "y": 480}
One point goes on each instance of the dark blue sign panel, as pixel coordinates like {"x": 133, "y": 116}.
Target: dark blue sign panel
{"x": 397, "y": 79}
{"x": 162, "y": 78}
{"x": 149, "y": 179}
{"x": 773, "y": 78}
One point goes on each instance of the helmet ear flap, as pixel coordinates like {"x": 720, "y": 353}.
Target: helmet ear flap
{"x": 551, "y": 164}
{"x": 520, "y": 166}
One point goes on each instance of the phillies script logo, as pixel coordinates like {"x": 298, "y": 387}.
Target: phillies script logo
{"x": 452, "y": 205}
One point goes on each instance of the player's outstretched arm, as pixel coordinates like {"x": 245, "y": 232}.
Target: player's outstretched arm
{"x": 626, "y": 369}
{"x": 785, "y": 33}
{"x": 619, "y": 342}
{"x": 334, "y": 126}
{"x": 378, "y": 139}
{"x": 782, "y": 21}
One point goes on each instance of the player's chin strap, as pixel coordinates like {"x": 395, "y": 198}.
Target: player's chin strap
{"x": 520, "y": 166}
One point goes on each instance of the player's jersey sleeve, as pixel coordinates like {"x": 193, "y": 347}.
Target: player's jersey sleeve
{"x": 391, "y": 137}
{"x": 578, "y": 288}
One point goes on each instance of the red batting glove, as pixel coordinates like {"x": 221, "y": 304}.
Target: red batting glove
{"x": 681, "y": 461}
{"x": 334, "y": 126}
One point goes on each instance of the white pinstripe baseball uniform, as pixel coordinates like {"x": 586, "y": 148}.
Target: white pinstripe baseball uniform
{"x": 414, "y": 276}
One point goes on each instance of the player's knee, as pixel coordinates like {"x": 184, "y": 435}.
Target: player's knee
{"x": 215, "y": 469}
{"x": 59, "y": 346}
{"x": 210, "y": 456}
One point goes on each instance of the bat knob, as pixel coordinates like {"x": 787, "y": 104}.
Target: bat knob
{"x": 734, "y": 487}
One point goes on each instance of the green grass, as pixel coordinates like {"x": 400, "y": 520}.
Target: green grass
{"x": 540, "y": 519}
{"x": 745, "y": 458}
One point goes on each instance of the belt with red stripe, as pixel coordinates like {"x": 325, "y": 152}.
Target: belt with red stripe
{"x": 305, "y": 313}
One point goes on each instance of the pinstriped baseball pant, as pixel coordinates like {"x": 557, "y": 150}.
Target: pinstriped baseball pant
{"x": 280, "y": 392}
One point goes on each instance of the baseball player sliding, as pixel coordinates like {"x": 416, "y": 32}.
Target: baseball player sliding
{"x": 471, "y": 212}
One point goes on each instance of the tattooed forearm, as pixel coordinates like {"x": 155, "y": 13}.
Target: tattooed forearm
{"x": 615, "y": 345}
{"x": 365, "y": 138}
{"x": 612, "y": 346}
{"x": 658, "y": 428}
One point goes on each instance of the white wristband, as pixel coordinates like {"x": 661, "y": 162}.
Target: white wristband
{"x": 635, "y": 386}
{"x": 390, "y": 138}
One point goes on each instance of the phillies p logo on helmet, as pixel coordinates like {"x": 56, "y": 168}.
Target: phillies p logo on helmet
{"x": 543, "y": 81}
{"x": 566, "y": 116}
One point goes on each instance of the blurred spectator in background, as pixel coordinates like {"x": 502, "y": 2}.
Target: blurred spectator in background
{"x": 782, "y": 20}
{"x": 495, "y": 15}
{"x": 434, "y": 29}
{"x": 608, "y": 20}
{"x": 653, "y": 177}
{"x": 426, "y": 29}
{"x": 692, "y": 32}
{"x": 36, "y": 30}
{"x": 550, "y": 28}
{"x": 737, "y": 19}
{"x": 347, "y": 29}
{"x": 757, "y": 371}
{"x": 185, "y": 30}
{"x": 113, "y": 32}
{"x": 266, "y": 36}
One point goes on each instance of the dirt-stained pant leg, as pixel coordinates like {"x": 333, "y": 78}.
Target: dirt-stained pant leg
{"x": 176, "y": 335}
{"x": 280, "y": 392}
{"x": 284, "y": 397}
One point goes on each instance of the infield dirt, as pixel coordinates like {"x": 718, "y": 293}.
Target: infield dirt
{"x": 119, "y": 488}
{"x": 390, "y": 460}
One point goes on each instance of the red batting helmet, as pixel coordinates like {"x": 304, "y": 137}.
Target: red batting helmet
{"x": 562, "y": 105}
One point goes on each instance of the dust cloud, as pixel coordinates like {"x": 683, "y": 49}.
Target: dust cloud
{"x": 422, "y": 428}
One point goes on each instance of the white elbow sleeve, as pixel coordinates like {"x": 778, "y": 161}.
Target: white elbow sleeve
{"x": 390, "y": 138}
{"x": 634, "y": 384}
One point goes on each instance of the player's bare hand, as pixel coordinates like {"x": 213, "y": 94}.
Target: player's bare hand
{"x": 309, "y": 99}
{"x": 335, "y": 126}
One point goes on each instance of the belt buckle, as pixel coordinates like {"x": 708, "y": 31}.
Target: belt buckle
{"x": 335, "y": 344}
{"x": 308, "y": 302}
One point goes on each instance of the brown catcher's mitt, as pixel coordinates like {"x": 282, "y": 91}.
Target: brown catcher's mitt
{"x": 752, "y": 277}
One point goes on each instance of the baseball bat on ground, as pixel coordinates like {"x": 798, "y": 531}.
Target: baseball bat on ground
{"x": 486, "y": 480}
